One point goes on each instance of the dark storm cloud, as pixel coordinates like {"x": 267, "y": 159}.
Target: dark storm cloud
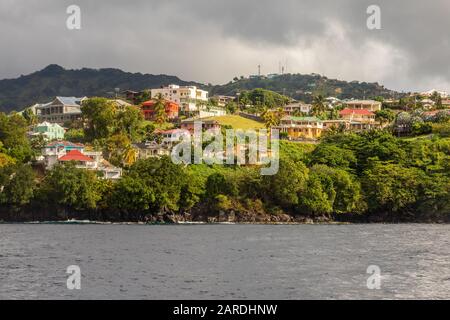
{"x": 213, "y": 41}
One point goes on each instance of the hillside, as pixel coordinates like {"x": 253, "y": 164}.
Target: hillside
{"x": 304, "y": 86}
{"x": 43, "y": 85}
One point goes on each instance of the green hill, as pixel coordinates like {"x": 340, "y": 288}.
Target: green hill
{"x": 304, "y": 86}
{"x": 43, "y": 85}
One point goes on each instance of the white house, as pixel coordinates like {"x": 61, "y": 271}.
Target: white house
{"x": 60, "y": 110}
{"x": 65, "y": 151}
{"x": 211, "y": 112}
{"x": 187, "y": 97}
{"x": 296, "y": 108}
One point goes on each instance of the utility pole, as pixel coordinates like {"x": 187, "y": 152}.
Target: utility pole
{"x": 259, "y": 70}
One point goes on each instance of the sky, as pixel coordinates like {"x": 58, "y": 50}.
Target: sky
{"x": 212, "y": 41}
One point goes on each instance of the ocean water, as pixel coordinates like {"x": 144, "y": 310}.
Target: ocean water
{"x": 225, "y": 261}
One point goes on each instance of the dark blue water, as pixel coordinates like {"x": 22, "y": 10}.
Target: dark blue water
{"x": 225, "y": 261}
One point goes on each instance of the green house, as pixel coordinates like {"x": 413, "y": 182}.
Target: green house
{"x": 51, "y": 131}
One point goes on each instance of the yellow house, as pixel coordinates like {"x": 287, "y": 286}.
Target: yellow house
{"x": 370, "y": 105}
{"x": 301, "y": 127}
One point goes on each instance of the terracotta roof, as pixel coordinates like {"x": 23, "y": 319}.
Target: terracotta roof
{"x": 171, "y": 131}
{"x": 362, "y": 112}
{"x": 75, "y": 155}
{"x": 150, "y": 103}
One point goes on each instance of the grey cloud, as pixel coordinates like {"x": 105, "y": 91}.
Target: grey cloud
{"x": 212, "y": 41}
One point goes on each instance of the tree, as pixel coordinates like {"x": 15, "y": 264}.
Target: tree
{"x": 231, "y": 107}
{"x": 165, "y": 178}
{"x": 129, "y": 121}
{"x": 284, "y": 187}
{"x": 333, "y": 156}
{"x": 70, "y": 187}
{"x": 18, "y": 185}
{"x": 384, "y": 116}
{"x": 344, "y": 190}
{"x": 30, "y": 117}
{"x": 436, "y": 97}
{"x": 74, "y": 135}
{"x": 272, "y": 117}
{"x": 99, "y": 115}
{"x": 318, "y": 105}
{"x": 160, "y": 110}
{"x": 131, "y": 194}
{"x": 315, "y": 198}
{"x": 217, "y": 184}
{"x": 143, "y": 96}
{"x": 5, "y": 160}
{"x": 391, "y": 187}
{"x": 118, "y": 149}
{"x": 13, "y": 136}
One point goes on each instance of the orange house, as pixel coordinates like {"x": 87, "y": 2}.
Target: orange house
{"x": 148, "y": 109}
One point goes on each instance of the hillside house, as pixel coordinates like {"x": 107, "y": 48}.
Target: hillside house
{"x": 60, "y": 110}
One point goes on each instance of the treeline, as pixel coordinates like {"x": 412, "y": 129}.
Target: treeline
{"x": 353, "y": 177}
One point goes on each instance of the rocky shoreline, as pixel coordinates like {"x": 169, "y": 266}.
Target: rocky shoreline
{"x": 222, "y": 217}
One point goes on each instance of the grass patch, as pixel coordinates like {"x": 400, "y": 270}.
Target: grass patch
{"x": 238, "y": 122}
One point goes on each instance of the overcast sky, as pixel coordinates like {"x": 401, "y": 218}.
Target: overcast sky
{"x": 215, "y": 40}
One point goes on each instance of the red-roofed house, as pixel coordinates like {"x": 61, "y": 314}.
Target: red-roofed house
{"x": 77, "y": 156}
{"x": 65, "y": 151}
{"x": 148, "y": 109}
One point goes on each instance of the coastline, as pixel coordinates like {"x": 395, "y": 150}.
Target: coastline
{"x": 219, "y": 219}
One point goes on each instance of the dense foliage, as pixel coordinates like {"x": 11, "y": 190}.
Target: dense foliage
{"x": 369, "y": 176}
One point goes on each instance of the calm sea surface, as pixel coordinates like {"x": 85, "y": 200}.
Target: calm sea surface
{"x": 225, "y": 261}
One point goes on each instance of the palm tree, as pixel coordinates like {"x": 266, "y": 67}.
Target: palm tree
{"x": 130, "y": 155}
{"x": 272, "y": 118}
{"x": 160, "y": 110}
{"x": 318, "y": 105}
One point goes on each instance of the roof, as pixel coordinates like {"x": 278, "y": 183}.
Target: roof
{"x": 171, "y": 131}
{"x": 362, "y": 112}
{"x": 310, "y": 119}
{"x": 150, "y": 103}
{"x": 75, "y": 155}
{"x": 71, "y": 101}
{"x": 152, "y": 145}
{"x": 362, "y": 102}
{"x": 55, "y": 144}
{"x": 48, "y": 124}
{"x": 203, "y": 120}
{"x": 121, "y": 102}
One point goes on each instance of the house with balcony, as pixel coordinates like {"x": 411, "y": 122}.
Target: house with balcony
{"x": 299, "y": 128}
{"x": 222, "y": 101}
{"x": 297, "y": 108}
{"x": 171, "y": 108}
{"x": 189, "y": 98}
{"x": 360, "y": 115}
{"x": 60, "y": 110}
{"x": 206, "y": 124}
{"x": 359, "y": 119}
{"x": 370, "y": 105}
{"x": 151, "y": 149}
{"x": 66, "y": 151}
